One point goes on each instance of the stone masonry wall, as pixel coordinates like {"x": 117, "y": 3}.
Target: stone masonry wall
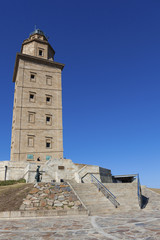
{"x": 51, "y": 196}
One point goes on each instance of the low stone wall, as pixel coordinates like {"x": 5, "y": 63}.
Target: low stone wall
{"x": 51, "y": 196}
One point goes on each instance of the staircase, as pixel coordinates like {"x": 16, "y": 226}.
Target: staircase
{"x": 126, "y": 195}
{"x": 98, "y": 204}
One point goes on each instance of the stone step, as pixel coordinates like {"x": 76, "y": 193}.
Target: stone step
{"x": 97, "y": 203}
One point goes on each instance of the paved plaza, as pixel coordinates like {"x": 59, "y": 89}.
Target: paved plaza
{"x": 137, "y": 225}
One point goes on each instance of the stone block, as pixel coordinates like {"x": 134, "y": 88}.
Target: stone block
{"x": 27, "y": 202}
{"x": 43, "y": 203}
{"x": 50, "y": 202}
{"x": 58, "y": 204}
{"x": 34, "y": 190}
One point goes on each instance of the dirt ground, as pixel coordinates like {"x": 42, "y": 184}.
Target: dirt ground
{"x": 11, "y": 197}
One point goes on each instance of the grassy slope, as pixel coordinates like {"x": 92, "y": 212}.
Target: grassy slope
{"x": 11, "y": 197}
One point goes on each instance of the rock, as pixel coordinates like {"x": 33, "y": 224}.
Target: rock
{"x": 65, "y": 203}
{"x": 61, "y": 198}
{"x": 55, "y": 197}
{"x": 66, "y": 207}
{"x": 27, "y": 202}
{"x": 62, "y": 186}
{"x": 66, "y": 194}
{"x": 72, "y": 198}
{"x": 47, "y": 191}
{"x": 71, "y": 204}
{"x": 56, "y": 201}
{"x": 36, "y": 201}
{"x": 43, "y": 195}
{"x": 51, "y": 196}
{"x": 31, "y": 208}
{"x": 77, "y": 203}
{"x": 28, "y": 196}
{"x": 58, "y": 204}
{"x": 74, "y": 207}
{"x": 49, "y": 207}
{"x": 22, "y": 207}
{"x": 68, "y": 189}
{"x": 59, "y": 208}
{"x": 43, "y": 203}
{"x": 34, "y": 190}
{"x": 36, "y": 204}
{"x": 50, "y": 202}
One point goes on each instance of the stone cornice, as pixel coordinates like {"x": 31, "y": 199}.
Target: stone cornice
{"x": 36, "y": 60}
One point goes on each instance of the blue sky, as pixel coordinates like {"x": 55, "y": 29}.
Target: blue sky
{"x": 111, "y": 79}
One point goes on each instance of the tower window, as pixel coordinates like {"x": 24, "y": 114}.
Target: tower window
{"x": 48, "y": 119}
{"x": 31, "y": 117}
{"x": 40, "y": 52}
{"x": 32, "y": 97}
{"x": 33, "y": 77}
{"x": 48, "y": 99}
{"x": 49, "y": 80}
{"x": 30, "y": 141}
{"x": 48, "y": 143}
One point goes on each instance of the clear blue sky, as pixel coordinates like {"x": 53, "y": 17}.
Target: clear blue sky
{"x": 111, "y": 79}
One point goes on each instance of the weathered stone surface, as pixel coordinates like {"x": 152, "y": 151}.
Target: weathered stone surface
{"x": 45, "y": 198}
{"x": 46, "y": 191}
{"x": 72, "y": 198}
{"x": 58, "y": 204}
{"x": 43, "y": 203}
{"x": 22, "y": 207}
{"x": 34, "y": 190}
{"x": 71, "y": 204}
{"x": 41, "y": 79}
{"x": 61, "y": 198}
{"x": 27, "y": 202}
{"x": 51, "y": 196}
{"x": 50, "y": 202}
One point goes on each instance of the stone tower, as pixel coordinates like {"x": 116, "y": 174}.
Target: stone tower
{"x": 37, "y": 112}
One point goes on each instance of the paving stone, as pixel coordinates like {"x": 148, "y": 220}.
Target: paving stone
{"x": 127, "y": 226}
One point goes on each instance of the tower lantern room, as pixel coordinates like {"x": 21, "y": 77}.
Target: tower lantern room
{"x": 37, "y": 45}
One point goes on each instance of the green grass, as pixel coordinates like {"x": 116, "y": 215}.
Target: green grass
{"x": 11, "y": 182}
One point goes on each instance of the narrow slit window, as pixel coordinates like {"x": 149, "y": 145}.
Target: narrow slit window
{"x": 48, "y": 99}
{"x": 41, "y": 52}
{"x": 32, "y": 97}
{"x": 48, "y": 143}
{"x": 33, "y": 77}
{"x": 48, "y": 119}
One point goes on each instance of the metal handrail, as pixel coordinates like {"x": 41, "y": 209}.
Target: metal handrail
{"x": 103, "y": 189}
